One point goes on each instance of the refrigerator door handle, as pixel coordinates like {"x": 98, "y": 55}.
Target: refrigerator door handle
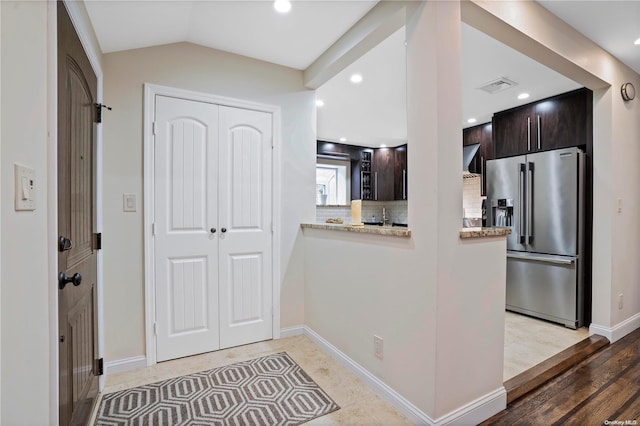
{"x": 521, "y": 204}
{"x": 542, "y": 258}
{"x": 530, "y": 169}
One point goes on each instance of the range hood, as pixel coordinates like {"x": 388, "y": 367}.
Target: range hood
{"x": 468, "y": 152}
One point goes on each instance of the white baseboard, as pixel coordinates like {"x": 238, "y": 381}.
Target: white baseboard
{"x": 472, "y": 413}
{"x": 127, "y": 364}
{"x": 291, "y": 331}
{"x": 477, "y": 411}
{"x": 619, "y": 330}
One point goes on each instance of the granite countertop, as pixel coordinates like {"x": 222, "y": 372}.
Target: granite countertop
{"x": 484, "y": 232}
{"x": 393, "y": 231}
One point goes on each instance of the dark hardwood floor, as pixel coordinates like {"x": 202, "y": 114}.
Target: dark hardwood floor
{"x": 604, "y": 389}
{"x": 540, "y": 374}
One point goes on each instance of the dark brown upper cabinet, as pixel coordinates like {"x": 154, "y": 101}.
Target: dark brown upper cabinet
{"x": 378, "y": 174}
{"x": 383, "y": 174}
{"x": 557, "y": 122}
{"x": 400, "y": 190}
{"x": 564, "y": 121}
{"x": 482, "y": 134}
{"x": 360, "y": 158}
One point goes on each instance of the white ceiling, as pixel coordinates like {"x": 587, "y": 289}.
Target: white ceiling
{"x": 613, "y": 25}
{"x": 248, "y": 28}
{"x": 484, "y": 59}
{"x": 374, "y": 111}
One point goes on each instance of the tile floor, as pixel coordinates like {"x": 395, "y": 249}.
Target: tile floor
{"x": 528, "y": 341}
{"x": 358, "y": 403}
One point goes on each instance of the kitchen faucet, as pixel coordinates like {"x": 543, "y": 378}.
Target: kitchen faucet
{"x": 385, "y": 219}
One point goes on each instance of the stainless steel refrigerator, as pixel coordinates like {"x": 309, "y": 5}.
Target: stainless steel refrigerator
{"x": 540, "y": 197}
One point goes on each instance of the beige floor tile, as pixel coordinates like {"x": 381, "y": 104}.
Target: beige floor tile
{"x": 359, "y": 405}
{"x": 529, "y": 341}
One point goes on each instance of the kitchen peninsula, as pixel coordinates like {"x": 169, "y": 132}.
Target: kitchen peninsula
{"x": 393, "y": 231}
{"x": 484, "y": 232}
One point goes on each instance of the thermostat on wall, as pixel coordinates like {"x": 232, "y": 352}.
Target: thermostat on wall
{"x": 25, "y": 188}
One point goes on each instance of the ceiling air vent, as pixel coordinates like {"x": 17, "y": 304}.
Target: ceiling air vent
{"x": 495, "y": 86}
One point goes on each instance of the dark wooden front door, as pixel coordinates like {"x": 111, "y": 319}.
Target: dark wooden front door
{"x": 77, "y": 300}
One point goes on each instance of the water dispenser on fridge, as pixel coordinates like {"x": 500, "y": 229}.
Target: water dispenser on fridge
{"x": 502, "y": 212}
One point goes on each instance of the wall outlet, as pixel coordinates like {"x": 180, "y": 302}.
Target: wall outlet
{"x": 378, "y": 347}
{"x": 620, "y": 300}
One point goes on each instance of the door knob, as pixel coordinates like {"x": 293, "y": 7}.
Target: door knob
{"x": 213, "y": 230}
{"x": 64, "y": 244}
{"x": 63, "y": 280}
{"x": 223, "y": 230}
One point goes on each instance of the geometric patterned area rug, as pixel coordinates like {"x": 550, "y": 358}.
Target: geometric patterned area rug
{"x": 271, "y": 390}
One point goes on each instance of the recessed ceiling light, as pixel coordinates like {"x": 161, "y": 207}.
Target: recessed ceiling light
{"x": 282, "y": 6}
{"x": 637, "y": 42}
{"x": 356, "y": 78}
{"x": 523, "y": 96}
{"x": 343, "y": 139}
{"x": 471, "y": 120}
{"x": 383, "y": 145}
{"x": 319, "y": 103}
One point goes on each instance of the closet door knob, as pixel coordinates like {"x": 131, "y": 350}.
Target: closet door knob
{"x": 63, "y": 280}
{"x": 223, "y": 230}
{"x": 213, "y": 230}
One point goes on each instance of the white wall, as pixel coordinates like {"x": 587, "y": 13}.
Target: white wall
{"x": 25, "y": 281}
{"x": 0, "y": 213}
{"x": 192, "y": 67}
{"x": 432, "y": 297}
{"x": 533, "y": 30}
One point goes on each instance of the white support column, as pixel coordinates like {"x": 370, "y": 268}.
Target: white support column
{"x": 467, "y": 385}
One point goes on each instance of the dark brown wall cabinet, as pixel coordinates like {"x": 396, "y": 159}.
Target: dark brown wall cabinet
{"x": 383, "y": 168}
{"x": 558, "y": 122}
{"x": 481, "y": 134}
{"x": 400, "y": 190}
{"x": 376, "y": 173}
{"x": 350, "y": 152}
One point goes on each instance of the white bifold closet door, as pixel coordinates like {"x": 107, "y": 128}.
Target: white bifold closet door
{"x": 212, "y": 226}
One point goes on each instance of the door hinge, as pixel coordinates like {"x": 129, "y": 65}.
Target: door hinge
{"x": 98, "y": 241}
{"x": 272, "y": 227}
{"x": 153, "y": 229}
{"x": 155, "y": 328}
{"x": 153, "y": 128}
{"x": 99, "y": 367}
{"x": 99, "y": 111}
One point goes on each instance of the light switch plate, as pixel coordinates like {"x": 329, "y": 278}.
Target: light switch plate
{"x": 129, "y": 203}
{"x": 25, "y": 188}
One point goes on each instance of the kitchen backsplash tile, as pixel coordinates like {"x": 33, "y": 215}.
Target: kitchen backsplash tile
{"x": 325, "y": 212}
{"x": 396, "y": 210}
{"x": 471, "y": 197}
